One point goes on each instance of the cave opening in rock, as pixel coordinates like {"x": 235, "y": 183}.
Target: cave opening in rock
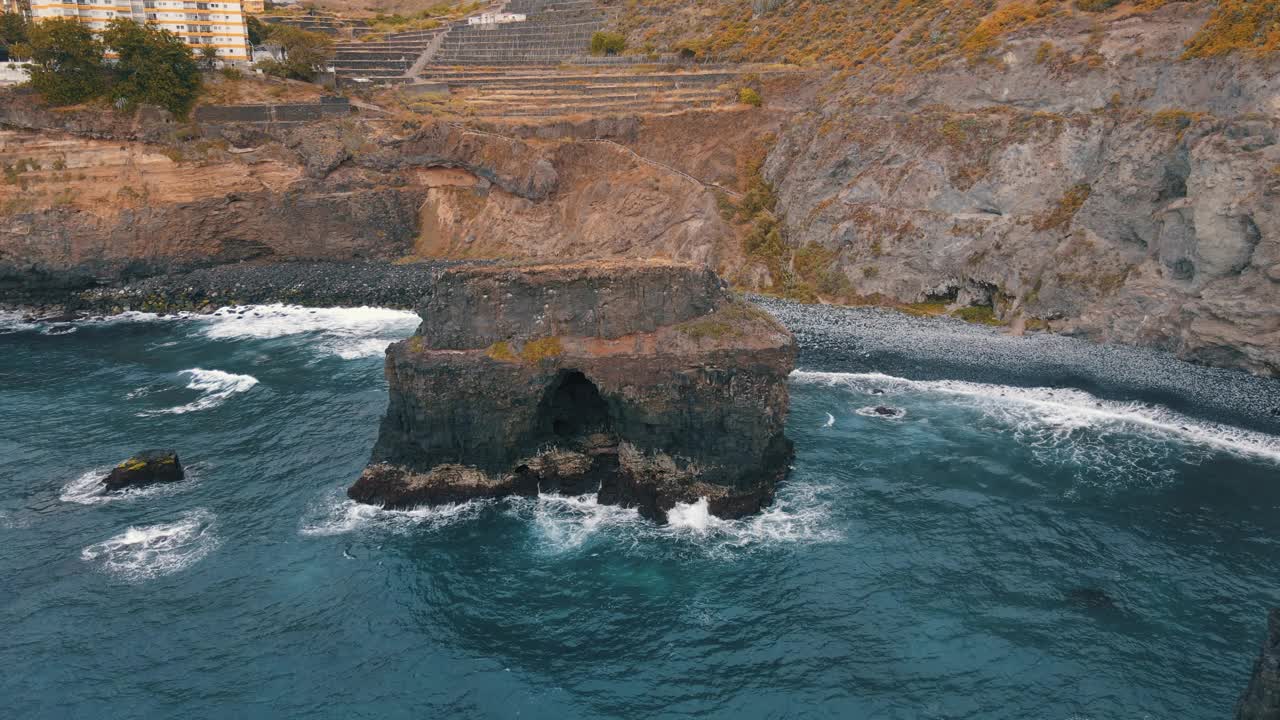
{"x": 573, "y": 407}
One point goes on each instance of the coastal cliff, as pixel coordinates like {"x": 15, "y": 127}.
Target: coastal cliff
{"x": 1089, "y": 180}
{"x": 646, "y": 381}
{"x": 1106, "y": 172}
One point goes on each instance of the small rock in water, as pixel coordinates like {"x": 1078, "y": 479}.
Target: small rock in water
{"x": 885, "y": 411}
{"x": 1090, "y": 598}
{"x": 145, "y": 468}
{"x": 877, "y": 391}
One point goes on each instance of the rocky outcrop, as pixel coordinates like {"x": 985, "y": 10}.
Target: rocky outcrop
{"x": 646, "y": 381}
{"x": 1261, "y": 699}
{"x": 146, "y": 468}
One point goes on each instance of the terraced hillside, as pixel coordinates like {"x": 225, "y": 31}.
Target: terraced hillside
{"x": 554, "y": 31}
{"x": 552, "y": 91}
{"x": 382, "y": 61}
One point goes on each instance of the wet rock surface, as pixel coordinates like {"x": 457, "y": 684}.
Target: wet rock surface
{"x": 646, "y": 381}
{"x": 146, "y": 468}
{"x": 1261, "y": 699}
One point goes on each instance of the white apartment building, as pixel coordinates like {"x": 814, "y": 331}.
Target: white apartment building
{"x": 220, "y": 24}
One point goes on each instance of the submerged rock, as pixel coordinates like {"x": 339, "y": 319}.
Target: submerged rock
{"x": 646, "y": 381}
{"x": 1090, "y": 598}
{"x": 1261, "y": 699}
{"x": 145, "y": 468}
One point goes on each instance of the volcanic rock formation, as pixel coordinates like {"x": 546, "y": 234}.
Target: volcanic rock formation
{"x": 1261, "y": 700}
{"x": 646, "y": 381}
{"x": 145, "y": 468}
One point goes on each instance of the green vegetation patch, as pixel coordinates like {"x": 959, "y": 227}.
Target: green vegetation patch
{"x": 980, "y": 314}
{"x": 608, "y": 43}
{"x": 501, "y": 351}
{"x": 541, "y": 349}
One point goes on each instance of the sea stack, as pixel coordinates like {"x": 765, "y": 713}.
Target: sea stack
{"x": 645, "y": 380}
{"x": 145, "y": 468}
{"x": 1261, "y": 700}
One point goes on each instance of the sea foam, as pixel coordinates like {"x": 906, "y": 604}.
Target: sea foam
{"x": 1044, "y": 414}
{"x": 337, "y": 515}
{"x": 349, "y": 333}
{"x": 569, "y": 523}
{"x": 215, "y": 386}
{"x": 87, "y": 489}
{"x": 149, "y": 551}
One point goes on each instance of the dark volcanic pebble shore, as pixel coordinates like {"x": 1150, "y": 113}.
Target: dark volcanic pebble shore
{"x": 313, "y": 284}
{"x": 831, "y": 338}
{"x": 863, "y": 340}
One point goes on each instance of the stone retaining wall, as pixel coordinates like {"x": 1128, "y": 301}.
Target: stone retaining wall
{"x": 328, "y": 107}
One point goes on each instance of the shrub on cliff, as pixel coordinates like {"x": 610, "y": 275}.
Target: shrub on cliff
{"x": 154, "y": 67}
{"x": 1251, "y": 26}
{"x": 66, "y": 61}
{"x": 750, "y": 96}
{"x": 305, "y": 54}
{"x": 1096, "y": 5}
{"x": 608, "y": 43}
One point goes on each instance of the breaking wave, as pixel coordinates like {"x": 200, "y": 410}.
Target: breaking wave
{"x": 349, "y": 333}
{"x": 338, "y": 515}
{"x": 215, "y": 386}
{"x": 149, "y": 551}
{"x": 1044, "y": 417}
{"x": 566, "y": 523}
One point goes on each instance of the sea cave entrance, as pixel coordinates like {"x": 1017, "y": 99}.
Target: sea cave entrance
{"x": 573, "y": 408}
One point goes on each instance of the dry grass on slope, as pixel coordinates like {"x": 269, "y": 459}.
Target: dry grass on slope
{"x": 906, "y": 34}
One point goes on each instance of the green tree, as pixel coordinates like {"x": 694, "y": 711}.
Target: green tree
{"x": 154, "y": 66}
{"x": 258, "y": 31}
{"x": 13, "y": 32}
{"x": 66, "y": 61}
{"x": 305, "y": 53}
{"x": 209, "y": 58}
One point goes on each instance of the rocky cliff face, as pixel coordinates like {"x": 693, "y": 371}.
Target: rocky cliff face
{"x": 97, "y": 198}
{"x": 1090, "y": 180}
{"x": 1261, "y": 700}
{"x": 646, "y": 381}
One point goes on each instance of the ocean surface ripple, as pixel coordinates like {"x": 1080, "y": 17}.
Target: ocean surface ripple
{"x": 976, "y": 526}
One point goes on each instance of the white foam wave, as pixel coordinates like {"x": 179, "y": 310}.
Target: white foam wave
{"x": 11, "y": 322}
{"x": 149, "y": 551}
{"x": 831, "y": 420}
{"x": 340, "y": 515}
{"x": 567, "y": 523}
{"x": 215, "y": 387}
{"x": 87, "y": 489}
{"x": 349, "y": 333}
{"x": 798, "y": 516}
{"x": 1061, "y": 412}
